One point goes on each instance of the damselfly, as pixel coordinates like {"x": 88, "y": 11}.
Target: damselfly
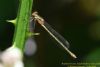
{"x": 60, "y": 39}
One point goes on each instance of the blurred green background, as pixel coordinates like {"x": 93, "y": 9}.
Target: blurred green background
{"x": 77, "y": 20}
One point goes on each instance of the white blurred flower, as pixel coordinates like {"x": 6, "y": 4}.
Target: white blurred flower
{"x": 19, "y": 64}
{"x": 1, "y": 65}
{"x": 11, "y": 57}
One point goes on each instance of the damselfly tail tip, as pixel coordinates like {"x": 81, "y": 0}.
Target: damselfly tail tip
{"x": 73, "y": 55}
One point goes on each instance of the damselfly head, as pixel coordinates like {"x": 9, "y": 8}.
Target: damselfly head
{"x": 37, "y": 17}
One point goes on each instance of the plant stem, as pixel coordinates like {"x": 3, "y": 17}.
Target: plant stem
{"x": 22, "y": 23}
